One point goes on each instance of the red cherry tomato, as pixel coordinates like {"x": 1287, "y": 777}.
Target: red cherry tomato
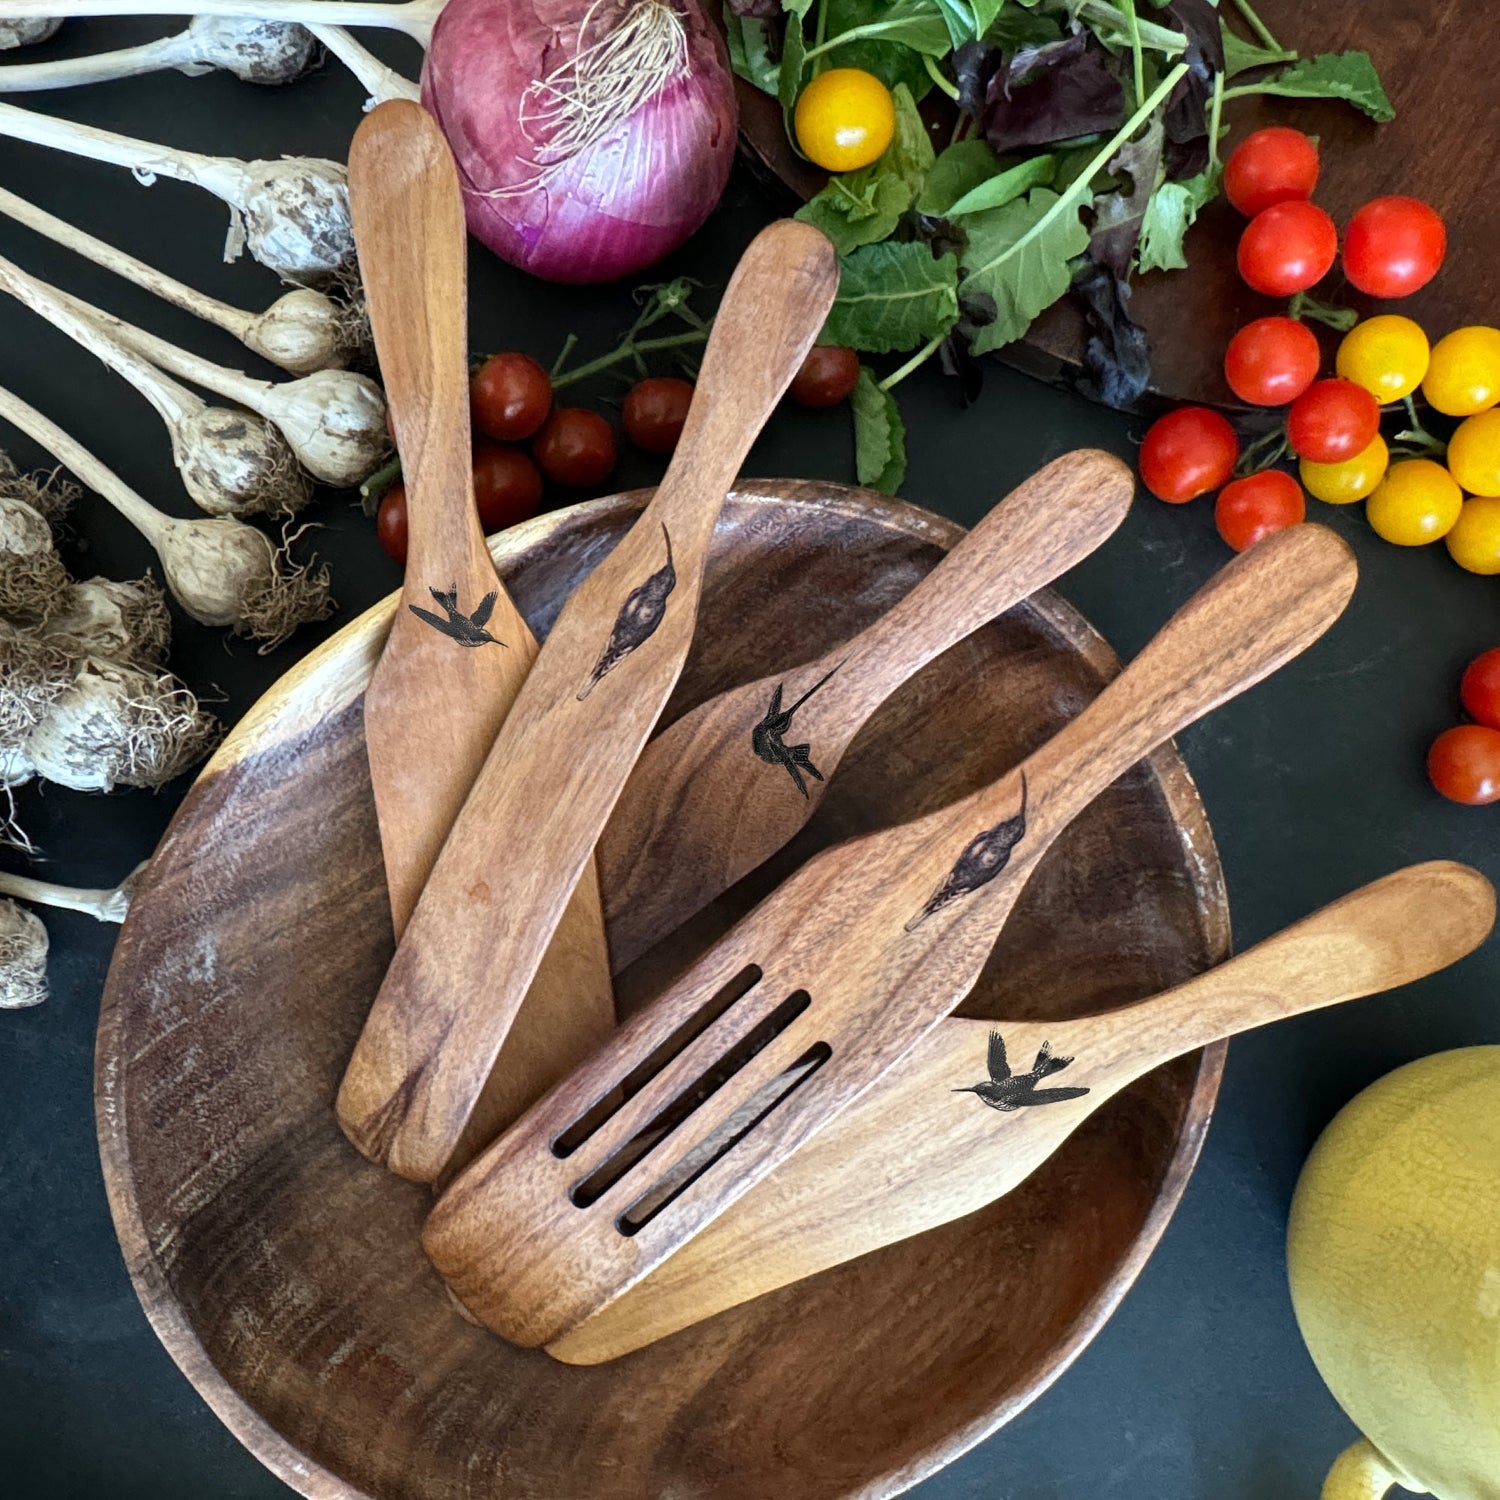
{"x": 655, "y": 410}
{"x": 1287, "y": 248}
{"x": 1271, "y": 361}
{"x": 390, "y": 523}
{"x": 507, "y": 486}
{"x": 576, "y": 447}
{"x": 1332, "y": 420}
{"x": 1393, "y": 246}
{"x": 1480, "y": 688}
{"x": 509, "y": 397}
{"x": 827, "y": 375}
{"x": 1464, "y": 764}
{"x": 1275, "y": 165}
{"x": 1187, "y": 453}
{"x": 1252, "y": 508}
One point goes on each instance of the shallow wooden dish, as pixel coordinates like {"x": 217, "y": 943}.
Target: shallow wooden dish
{"x": 282, "y": 1270}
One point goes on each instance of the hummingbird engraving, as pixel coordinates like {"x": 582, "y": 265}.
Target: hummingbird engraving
{"x": 467, "y": 630}
{"x": 766, "y": 739}
{"x": 1007, "y": 1091}
{"x": 643, "y": 610}
{"x": 983, "y": 858}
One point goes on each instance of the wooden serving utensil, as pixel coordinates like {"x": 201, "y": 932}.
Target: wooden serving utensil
{"x": 920, "y": 1147}
{"x": 727, "y": 785}
{"x": 829, "y": 982}
{"x": 529, "y": 826}
{"x": 458, "y": 650}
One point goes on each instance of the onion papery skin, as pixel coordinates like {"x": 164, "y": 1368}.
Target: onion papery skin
{"x": 624, "y": 202}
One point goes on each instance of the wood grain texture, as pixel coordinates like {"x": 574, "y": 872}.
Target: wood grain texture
{"x": 546, "y": 790}
{"x": 444, "y": 683}
{"x": 885, "y": 933}
{"x": 1424, "y": 51}
{"x": 704, "y": 806}
{"x": 913, "y": 1152}
{"x": 282, "y": 1270}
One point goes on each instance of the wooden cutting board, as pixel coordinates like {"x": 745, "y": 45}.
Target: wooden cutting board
{"x": 1433, "y": 58}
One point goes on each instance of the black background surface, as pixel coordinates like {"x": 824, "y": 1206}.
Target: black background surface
{"x": 1199, "y": 1387}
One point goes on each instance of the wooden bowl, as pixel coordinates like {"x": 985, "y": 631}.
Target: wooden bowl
{"x": 282, "y": 1270}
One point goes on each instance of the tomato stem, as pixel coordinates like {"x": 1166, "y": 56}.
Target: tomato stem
{"x": 1307, "y": 309}
{"x": 372, "y": 491}
{"x": 630, "y": 348}
{"x": 1427, "y": 446}
{"x": 1268, "y": 449}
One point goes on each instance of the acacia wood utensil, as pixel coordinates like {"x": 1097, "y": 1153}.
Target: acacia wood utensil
{"x": 458, "y": 649}
{"x": 829, "y": 982}
{"x": 731, "y": 782}
{"x": 529, "y": 826}
{"x": 920, "y": 1147}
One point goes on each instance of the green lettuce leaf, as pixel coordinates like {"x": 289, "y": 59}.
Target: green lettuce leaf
{"x": 958, "y": 170}
{"x": 879, "y": 436}
{"x": 893, "y": 297}
{"x": 893, "y": 35}
{"x": 1005, "y": 187}
{"x": 1349, "y": 76}
{"x": 858, "y": 208}
{"x": 1018, "y": 255}
{"x": 749, "y": 51}
{"x": 1169, "y": 216}
{"x": 1240, "y": 56}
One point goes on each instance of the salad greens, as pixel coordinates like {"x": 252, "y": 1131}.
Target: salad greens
{"x": 1087, "y": 141}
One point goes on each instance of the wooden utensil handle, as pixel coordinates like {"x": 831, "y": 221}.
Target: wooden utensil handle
{"x": 410, "y": 270}
{"x": 1386, "y": 934}
{"x": 1253, "y": 616}
{"x": 769, "y": 317}
{"x": 1041, "y": 529}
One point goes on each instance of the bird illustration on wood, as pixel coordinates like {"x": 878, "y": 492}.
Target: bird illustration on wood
{"x": 1007, "y": 1091}
{"x": 467, "y": 630}
{"x": 766, "y": 739}
{"x": 983, "y": 858}
{"x": 643, "y": 610}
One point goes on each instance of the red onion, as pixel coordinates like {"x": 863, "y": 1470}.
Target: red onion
{"x": 592, "y": 136}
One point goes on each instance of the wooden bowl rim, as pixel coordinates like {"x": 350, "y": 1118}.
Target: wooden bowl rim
{"x": 329, "y": 678}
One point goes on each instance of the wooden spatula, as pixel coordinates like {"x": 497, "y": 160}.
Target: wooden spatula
{"x": 458, "y": 650}
{"x": 829, "y": 982}
{"x": 731, "y": 782}
{"x": 976, "y": 1106}
{"x": 529, "y": 826}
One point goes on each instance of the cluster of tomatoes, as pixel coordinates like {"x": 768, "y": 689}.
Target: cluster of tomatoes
{"x": 1464, "y": 762}
{"x": 1391, "y": 247}
{"x": 523, "y": 438}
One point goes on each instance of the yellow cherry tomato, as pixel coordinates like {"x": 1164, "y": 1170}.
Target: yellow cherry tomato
{"x": 1474, "y": 542}
{"x": 845, "y": 119}
{"x": 1463, "y": 375}
{"x": 1386, "y": 355}
{"x": 1354, "y": 479}
{"x": 1474, "y": 453}
{"x": 1417, "y": 502}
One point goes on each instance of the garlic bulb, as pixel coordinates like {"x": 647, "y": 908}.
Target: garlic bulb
{"x": 31, "y": 573}
{"x": 124, "y": 622}
{"x": 235, "y": 463}
{"x": 23, "y": 957}
{"x": 34, "y": 673}
{"x": 116, "y": 725}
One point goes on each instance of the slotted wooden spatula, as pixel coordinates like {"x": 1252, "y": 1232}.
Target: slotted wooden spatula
{"x": 731, "y": 782}
{"x": 459, "y": 649}
{"x": 976, "y": 1106}
{"x": 829, "y": 982}
{"x": 529, "y": 826}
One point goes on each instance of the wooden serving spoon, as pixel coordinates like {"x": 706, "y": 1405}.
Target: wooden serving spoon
{"x": 829, "y": 982}
{"x": 729, "y": 783}
{"x": 920, "y": 1147}
{"x": 529, "y": 826}
{"x": 458, "y": 650}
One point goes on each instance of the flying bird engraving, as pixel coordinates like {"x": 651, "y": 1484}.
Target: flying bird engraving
{"x": 1006, "y": 1091}
{"x": 983, "y": 858}
{"x": 642, "y": 611}
{"x": 467, "y": 630}
{"x": 766, "y": 738}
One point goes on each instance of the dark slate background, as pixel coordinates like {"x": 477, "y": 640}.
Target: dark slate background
{"x": 1199, "y": 1386}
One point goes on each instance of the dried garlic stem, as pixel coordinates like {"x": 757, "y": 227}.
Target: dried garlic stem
{"x": 222, "y": 572}
{"x": 414, "y": 17}
{"x": 293, "y": 213}
{"x": 105, "y": 906}
{"x": 231, "y": 462}
{"x": 380, "y": 81}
